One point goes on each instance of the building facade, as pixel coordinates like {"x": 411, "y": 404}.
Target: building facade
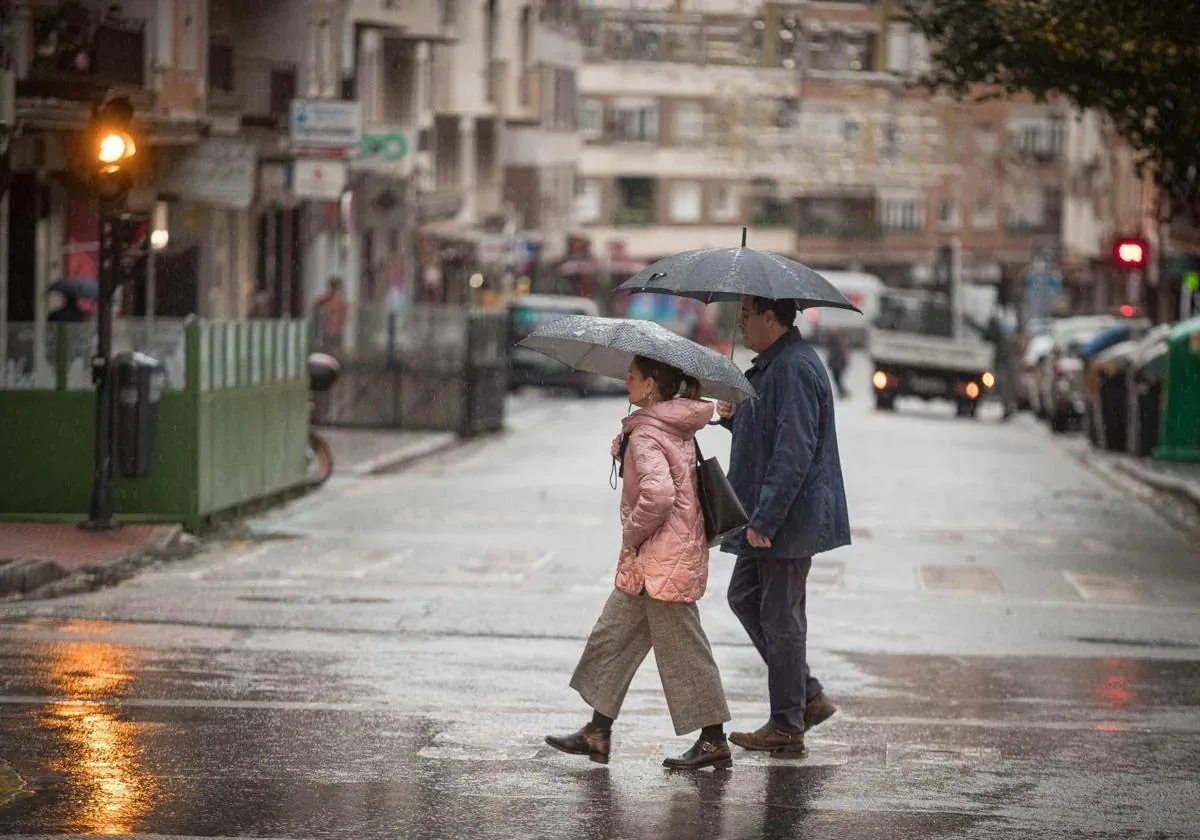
{"x": 797, "y": 120}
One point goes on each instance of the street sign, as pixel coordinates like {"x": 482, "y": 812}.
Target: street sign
{"x": 390, "y": 147}
{"x": 1042, "y": 291}
{"x": 322, "y": 180}
{"x": 327, "y": 124}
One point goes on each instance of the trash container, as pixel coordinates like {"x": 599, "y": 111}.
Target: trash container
{"x": 1181, "y": 419}
{"x": 140, "y": 382}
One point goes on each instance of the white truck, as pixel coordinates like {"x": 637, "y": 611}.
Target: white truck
{"x": 923, "y": 345}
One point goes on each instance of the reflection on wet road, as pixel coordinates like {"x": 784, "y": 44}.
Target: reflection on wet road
{"x": 1014, "y": 648}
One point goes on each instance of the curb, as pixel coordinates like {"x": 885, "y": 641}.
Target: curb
{"x": 1173, "y": 501}
{"x": 36, "y": 579}
{"x": 409, "y": 455}
{"x": 1164, "y": 483}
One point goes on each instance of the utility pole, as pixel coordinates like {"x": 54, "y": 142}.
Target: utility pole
{"x": 8, "y": 109}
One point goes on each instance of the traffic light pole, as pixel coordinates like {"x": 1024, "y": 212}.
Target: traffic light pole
{"x": 100, "y": 508}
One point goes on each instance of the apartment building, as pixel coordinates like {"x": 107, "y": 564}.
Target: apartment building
{"x": 796, "y": 120}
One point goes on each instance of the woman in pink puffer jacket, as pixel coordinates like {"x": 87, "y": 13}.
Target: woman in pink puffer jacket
{"x": 661, "y": 573}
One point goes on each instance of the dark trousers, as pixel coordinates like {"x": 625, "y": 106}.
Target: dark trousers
{"x": 769, "y": 596}
{"x": 838, "y": 374}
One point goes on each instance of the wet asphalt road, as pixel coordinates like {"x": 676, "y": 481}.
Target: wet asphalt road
{"x": 1013, "y": 643}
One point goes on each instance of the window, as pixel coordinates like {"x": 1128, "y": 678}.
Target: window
{"x": 591, "y": 118}
{"x": 986, "y": 144}
{"x": 647, "y": 42}
{"x": 686, "y": 202}
{"x": 845, "y": 51}
{"x": 902, "y": 215}
{"x": 948, "y": 214}
{"x": 587, "y": 203}
{"x": 852, "y": 132}
{"x": 283, "y": 91}
{"x": 985, "y": 216}
{"x": 1041, "y": 139}
{"x": 843, "y": 216}
{"x": 1035, "y": 210}
{"x": 635, "y": 201}
{"x": 726, "y": 203}
{"x": 889, "y": 140}
{"x": 220, "y": 65}
{"x": 908, "y": 51}
{"x": 637, "y": 123}
{"x": 689, "y": 123}
{"x": 769, "y": 208}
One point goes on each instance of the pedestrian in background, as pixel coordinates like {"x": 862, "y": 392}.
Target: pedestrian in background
{"x": 661, "y": 573}
{"x": 838, "y": 360}
{"x": 329, "y": 318}
{"x": 785, "y": 467}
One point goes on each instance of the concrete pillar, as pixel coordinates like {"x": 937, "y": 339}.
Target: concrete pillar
{"x": 468, "y": 181}
{"x": 423, "y": 91}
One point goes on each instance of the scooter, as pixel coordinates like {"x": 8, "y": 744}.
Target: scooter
{"x": 323, "y": 372}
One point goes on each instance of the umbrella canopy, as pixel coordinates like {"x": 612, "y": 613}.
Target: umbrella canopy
{"x": 606, "y": 346}
{"x": 714, "y": 274}
{"x": 82, "y": 288}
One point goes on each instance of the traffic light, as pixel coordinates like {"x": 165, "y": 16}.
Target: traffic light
{"x": 112, "y": 149}
{"x": 1131, "y": 254}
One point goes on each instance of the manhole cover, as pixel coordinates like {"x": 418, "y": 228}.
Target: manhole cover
{"x": 961, "y": 578}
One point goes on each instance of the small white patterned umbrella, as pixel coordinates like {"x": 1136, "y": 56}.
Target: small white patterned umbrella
{"x": 606, "y": 346}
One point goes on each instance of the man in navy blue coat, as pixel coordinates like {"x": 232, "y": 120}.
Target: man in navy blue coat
{"x": 785, "y": 468}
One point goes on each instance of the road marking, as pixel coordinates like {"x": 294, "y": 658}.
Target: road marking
{"x": 1105, "y": 589}
{"x": 506, "y": 565}
{"x": 960, "y": 578}
{"x": 935, "y": 755}
{"x": 399, "y": 557}
{"x": 826, "y": 573}
{"x": 231, "y": 563}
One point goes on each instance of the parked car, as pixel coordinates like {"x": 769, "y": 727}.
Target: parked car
{"x": 1146, "y": 392}
{"x": 527, "y": 367}
{"x": 1036, "y": 347}
{"x": 1060, "y": 371}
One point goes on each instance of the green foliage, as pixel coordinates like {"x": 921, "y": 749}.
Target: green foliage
{"x": 1136, "y": 61}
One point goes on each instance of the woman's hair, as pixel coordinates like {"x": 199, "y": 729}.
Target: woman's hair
{"x": 671, "y": 381}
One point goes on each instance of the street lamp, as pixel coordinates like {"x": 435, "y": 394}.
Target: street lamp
{"x": 112, "y": 153}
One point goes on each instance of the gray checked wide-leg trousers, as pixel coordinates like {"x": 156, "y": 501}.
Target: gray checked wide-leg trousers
{"x": 625, "y": 632}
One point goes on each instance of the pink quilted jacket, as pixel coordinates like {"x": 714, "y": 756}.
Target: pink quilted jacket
{"x": 662, "y": 529}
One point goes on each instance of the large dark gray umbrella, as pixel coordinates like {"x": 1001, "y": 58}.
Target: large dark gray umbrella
{"x": 714, "y": 274}
{"x": 606, "y": 346}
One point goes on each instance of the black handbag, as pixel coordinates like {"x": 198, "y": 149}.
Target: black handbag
{"x": 724, "y": 516}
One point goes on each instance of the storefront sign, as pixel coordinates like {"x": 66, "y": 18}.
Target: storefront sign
{"x": 322, "y": 180}
{"x": 219, "y": 171}
{"x": 326, "y": 124}
{"x": 385, "y": 146}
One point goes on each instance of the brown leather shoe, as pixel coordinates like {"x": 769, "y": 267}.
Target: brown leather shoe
{"x": 706, "y": 752}
{"x": 594, "y": 743}
{"x": 817, "y": 711}
{"x": 769, "y": 739}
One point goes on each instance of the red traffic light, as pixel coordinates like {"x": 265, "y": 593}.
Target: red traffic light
{"x": 1131, "y": 253}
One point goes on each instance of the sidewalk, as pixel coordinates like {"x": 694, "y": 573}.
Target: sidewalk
{"x": 35, "y": 554}
{"x": 373, "y": 451}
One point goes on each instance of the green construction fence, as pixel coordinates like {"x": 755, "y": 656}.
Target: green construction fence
{"x": 231, "y": 433}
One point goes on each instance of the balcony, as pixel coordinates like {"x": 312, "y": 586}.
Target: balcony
{"x": 80, "y": 54}
{"x": 430, "y": 20}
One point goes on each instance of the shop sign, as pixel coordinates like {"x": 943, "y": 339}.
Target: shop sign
{"x": 218, "y": 171}
{"x": 326, "y": 124}
{"x": 321, "y": 180}
{"x": 386, "y": 151}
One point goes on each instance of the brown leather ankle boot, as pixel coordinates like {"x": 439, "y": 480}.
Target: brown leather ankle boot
{"x": 590, "y": 741}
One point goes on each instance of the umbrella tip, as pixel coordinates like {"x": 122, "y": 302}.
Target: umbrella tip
{"x": 743, "y": 237}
